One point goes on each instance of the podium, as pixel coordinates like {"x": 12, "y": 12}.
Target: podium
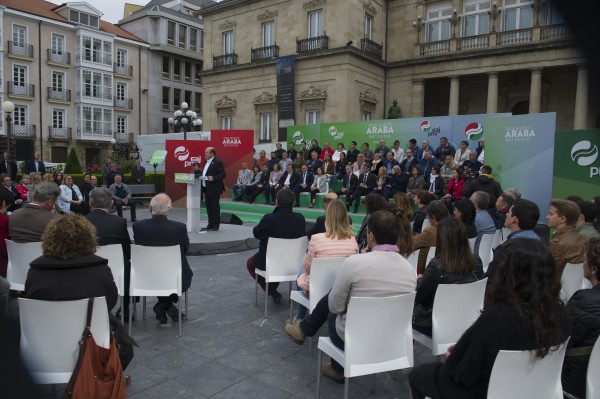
{"x": 193, "y": 204}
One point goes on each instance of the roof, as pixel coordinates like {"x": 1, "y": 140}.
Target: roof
{"x": 46, "y": 9}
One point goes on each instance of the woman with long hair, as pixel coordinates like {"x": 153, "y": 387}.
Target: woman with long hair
{"x": 415, "y": 181}
{"x": 381, "y": 180}
{"x": 447, "y": 168}
{"x": 339, "y": 172}
{"x": 405, "y": 237}
{"x": 403, "y": 205}
{"x": 373, "y": 203}
{"x": 357, "y": 166}
{"x": 454, "y": 188}
{"x": 319, "y": 185}
{"x": 464, "y": 210}
{"x": 522, "y": 311}
{"x": 454, "y": 263}
{"x": 436, "y": 183}
{"x": 298, "y": 162}
{"x": 328, "y": 165}
{"x": 274, "y": 177}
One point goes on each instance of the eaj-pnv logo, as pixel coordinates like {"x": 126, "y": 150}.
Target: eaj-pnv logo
{"x": 425, "y": 126}
{"x": 584, "y": 153}
{"x": 297, "y": 137}
{"x": 431, "y": 131}
{"x": 474, "y": 131}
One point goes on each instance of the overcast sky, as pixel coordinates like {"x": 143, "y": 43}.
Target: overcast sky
{"x": 112, "y": 9}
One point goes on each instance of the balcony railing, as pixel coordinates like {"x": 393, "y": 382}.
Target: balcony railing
{"x": 123, "y": 70}
{"x": 20, "y": 49}
{"x": 125, "y": 103}
{"x": 58, "y": 57}
{"x": 17, "y": 89}
{"x": 264, "y": 53}
{"x": 96, "y": 134}
{"x": 23, "y": 131}
{"x": 225, "y": 60}
{"x": 473, "y": 42}
{"x": 518, "y": 36}
{"x": 124, "y": 138}
{"x": 311, "y": 44}
{"x": 440, "y": 47}
{"x": 59, "y": 95}
{"x": 370, "y": 47}
{"x": 555, "y": 32}
{"x": 59, "y": 133}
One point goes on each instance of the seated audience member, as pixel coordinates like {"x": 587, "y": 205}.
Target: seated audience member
{"x": 425, "y": 147}
{"x": 328, "y": 165}
{"x": 319, "y": 185}
{"x": 12, "y": 194}
{"x": 566, "y": 244}
{"x": 23, "y": 187}
{"x": 284, "y": 162}
{"x": 273, "y": 161}
{"x": 403, "y": 205}
{"x": 447, "y": 169}
{"x": 249, "y": 189}
{"x": 28, "y": 223}
{"x": 436, "y": 183}
{"x": 380, "y": 182}
{"x": 244, "y": 177}
{"x": 513, "y": 192}
{"x": 158, "y": 231}
{"x": 483, "y": 182}
{"x": 86, "y": 187}
{"x": 279, "y": 151}
{"x": 298, "y": 162}
{"x": 337, "y": 153}
{"x": 292, "y": 153}
{"x": 382, "y": 149}
{"x": 464, "y": 211}
{"x": 376, "y": 164}
{"x": 409, "y": 162}
{"x": 262, "y": 159}
{"x": 373, "y": 203}
{"x": 327, "y": 150}
{"x": 445, "y": 149}
{"x": 352, "y": 153}
{"x": 122, "y": 197}
{"x": 454, "y": 189}
{"x": 454, "y": 263}
{"x": 282, "y": 223}
{"x": 49, "y": 177}
{"x": 427, "y": 163}
{"x": 436, "y": 212}
{"x": 71, "y": 199}
{"x": 471, "y": 167}
{"x": 274, "y": 177}
{"x": 584, "y": 313}
{"x": 319, "y": 226}
{"x": 358, "y": 164}
{"x": 366, "y": 184}
{"x": 520, "y": 220}
{"x": 398, "y": 152}
{"x": 587, "y": 215}
{"x": 498, "y": 213}
{"x": 367, "y": 154}
{"x": 380, "y": 272}
{"x": 574, "y": 198}
{"x": 522, "y": 311}
{"x": 395, "y": 183}
{"x": 260, "y": 187}
{"x": 4, "y": 228}
{"x": 289, "y": 179}
{"x": 349, "y": 183}
{"x": 422, "y": 198}
{"x": 339, "y": 171}
{"x": 483, "y": 221}
{"x": 405, "y": 237}
{"x": 462, "y": 154}
{"x": 305, "y": 180}
{"x": 415, "y": 181}
{"x": 314, "y": 162}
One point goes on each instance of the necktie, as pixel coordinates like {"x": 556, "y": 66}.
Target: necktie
{"x": 304, "y": 178}
{"x": 366, "y": 175}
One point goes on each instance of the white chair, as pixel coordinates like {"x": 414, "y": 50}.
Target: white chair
{"x": 426, "y": 223}
{"x": 505, "y": 232}
{"x": 378, "y": 338}
{"x": 497, "y": 240}
{"x": 114, "y": 254}
{"x": 413, "y": 259}
{"x": 155, "y": 271}
{"x": 472, "y": 243}
{"x": 283, "y": 259}
{"x": 571, "y": 280}
{"x": 455, "y": 308}
{"x": 50, "y": 334}
{"x": 20, "y": 256}
{"x": 521, "y": 375}
{"x": 430, "y": 255}
{"x": 485, "y": 249}
{"x": 593, "y": 385}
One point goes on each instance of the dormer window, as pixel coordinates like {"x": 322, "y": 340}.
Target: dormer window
{"x": 83, "y": 18}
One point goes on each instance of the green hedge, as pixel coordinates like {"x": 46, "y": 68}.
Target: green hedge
{"x": 157, "y": 179}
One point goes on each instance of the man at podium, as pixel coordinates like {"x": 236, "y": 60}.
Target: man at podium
{"x": 211, "y": 175}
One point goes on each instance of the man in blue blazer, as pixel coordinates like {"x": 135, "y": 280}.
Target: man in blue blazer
{"x": 35, "y": 165}
{"x": 305, "y": 180}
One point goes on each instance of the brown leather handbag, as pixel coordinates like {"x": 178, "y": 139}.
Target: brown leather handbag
{"x": 98, "y": 373}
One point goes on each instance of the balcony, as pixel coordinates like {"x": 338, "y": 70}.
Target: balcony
{"x": 311, "y": 44}
{"x": 58, "y": 95}
{"x": 225, "y": 60}
{"x": 434, "y": 48}
{"x": 21, "y": 90}
{"x": 58, "y": 57}
{"x": 513, "y": 37}
{"x": 124, "y": 138}
{"x": 123, "y": 70}
{"x": 20, "y": 50}
{"x": 555, "y": 32}
{"x": 23, "y": 131}
{"x": 59, "y": 133}
{"x": 368, "y": 46}
{"x": 473, "y": 42}
{"x": 123, "y": 103}
{"x": 88, "y": 134}
{"x": 264, "y": 53}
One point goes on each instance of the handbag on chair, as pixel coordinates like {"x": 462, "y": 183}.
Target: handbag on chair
{"x": 98, "y": 373}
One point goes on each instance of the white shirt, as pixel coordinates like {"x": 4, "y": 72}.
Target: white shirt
{"x": 208, "y": 162}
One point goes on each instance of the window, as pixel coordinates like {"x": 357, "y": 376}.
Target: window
{"x": 96, "y": 85}
{"x": 368, "y": 27}
{"x": 176, "y": 69}
{"x": 266, "y": 127}
{"x": 201, "y": 41}
{"x": 166, "y": 94}
{"x": 476, "y": 20}
{"x": 366, "y": 116}
{"x": 19, "y": 37}
{"x": 438, "y": 22}
{"x": 268, "y": 34}
{"x": 20, "y": 115}
{"x": 315, "y": 23}
{"x": 58, "y": 86}
{"x": 20, "y": 80}
{"x": 198, "y": 74}
{"x": 121, "y": 58}
{"x": 176, "y": 97}
{"x": 187, "y": 72}
{"x": 96, "y": 50}
{"x": 171, "y": 33}
{"x": 58, "y": 44}
{"x": 228, "y": 42}
{"x": 193, "y": 39}
{"x": 95, "y": 120}
{"x": 166, "y": 67}
{"x": 83, "y": 18}
{"x": 121, "y": 91}
{"x": 517, "y": 14}
{"x": 553, "y": 16}
{"x": 58, "y": 118}
{"x": 121, "y": 124}
{"x": 226, "y": 122}
{"x": 313, "y": 117}
{"x": 182, "y": 36}
{"x": 198, "y": 103}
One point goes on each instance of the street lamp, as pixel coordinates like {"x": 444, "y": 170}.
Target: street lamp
{"x": 8, "y": 107}
{"x": 184, "y": 118}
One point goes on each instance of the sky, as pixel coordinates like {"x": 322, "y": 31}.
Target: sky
{"x": 112, "y": 9}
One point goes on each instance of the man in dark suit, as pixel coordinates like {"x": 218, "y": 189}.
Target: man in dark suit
{"x": 211, "y": 176}
{"x": 9, "y": 167}
{"x": 88, "y": 186}
{"x": 366, "y": 183}
{"x": 305, "y": 180}
{"x": 282, "y": 223}
{"x": 138, "y": 173}
{"x": 289, "y": 179}
{"x": 35, "y": 165}
{"x": 349, "y": 183}
{"x": 28, "y": 223}
{"x": 314, "y": 163}
{"x": 111, "y": 229}
{"x": 408, "y": 162}
{"x": 7, "y": 184}
{"x": 159, "y": 232}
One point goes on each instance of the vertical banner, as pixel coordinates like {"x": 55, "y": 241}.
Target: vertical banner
{"x": 286, "y": 104}
{"x": 576, "y": 164}
{"x": 520, "y": 150}
{"x": 233, "y": 147}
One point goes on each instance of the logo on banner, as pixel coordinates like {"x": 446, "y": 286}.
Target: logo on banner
{"x": 584, "y": 153}
{"x": 519, "y": 133}
{"x": 181, "y": 153}
{"x": 335, "y": 134}
{"x": 297, "y": 137}
{"x": 380, "y": 128}
{"x": 426, "y": 128}
{"x": 231, "y": 141}
{"x": 474, "y": 131}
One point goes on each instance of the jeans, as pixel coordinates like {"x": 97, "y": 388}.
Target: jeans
{"x": 336, "y": 340}
{"x": 313, "y": 322}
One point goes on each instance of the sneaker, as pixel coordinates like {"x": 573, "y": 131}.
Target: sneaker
{"x": 295, "y": 332}
{"x": 328, "y": 371}
{"x": 277, "y": 297}
{"x": 173, "y": 313}
{"x": 160, "y": 312}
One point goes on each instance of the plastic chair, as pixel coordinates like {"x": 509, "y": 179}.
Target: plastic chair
{"x": 472, "y": 243}
{"x": 497, "y": 240}
{"x": 426, "y": 223}
{"x": 485, "y": 249}
{"x": 521, "y": 375}
{"x": 155, "y": 271}
{"x": 116, "y": 262}
{"x": 284, "y": 257}
{"x": 413, "y": 259}
{"x": 378, "y": 338}
{"x": 593, "y": 385}
{"x": 572, "y": 280}
{"x": 20, "y": 255}
{"x": 50, "y": 334}
{"x": 455, "y": 308}
{"x": 505, "y": 232}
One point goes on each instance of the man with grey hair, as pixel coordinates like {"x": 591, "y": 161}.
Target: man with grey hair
{"x": 28, "y": 223}
{"x": 121, "y": 194}
{"x": 513, "y": 192}
{"x": 483, "y": 221}
{"x": 161, "y": 232}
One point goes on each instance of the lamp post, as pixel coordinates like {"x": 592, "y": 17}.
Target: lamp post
{"x": 8, "y": 107}
{"x": 184, "y": 118}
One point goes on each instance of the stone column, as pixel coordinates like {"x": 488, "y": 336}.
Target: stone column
{"x": 535, "y": 94}
{"x": 454, "y": 95}
{"x": 418, "y": 98}
{"x": 581, "y": 98}
{"x": 492, "y": 97}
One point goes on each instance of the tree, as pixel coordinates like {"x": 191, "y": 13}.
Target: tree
{"x": 73, "y": 165}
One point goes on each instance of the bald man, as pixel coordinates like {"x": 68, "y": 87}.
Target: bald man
{"x": 212, "y": 174}
{"x": 319, "y": 226}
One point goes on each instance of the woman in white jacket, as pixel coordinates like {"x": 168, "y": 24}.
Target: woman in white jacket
{"x": 70, "y": 199}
